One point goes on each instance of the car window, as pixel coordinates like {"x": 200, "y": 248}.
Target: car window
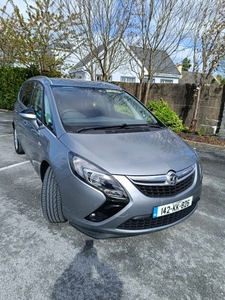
{"x": 26, "y": 92}
{"x": 120, "y": 105}
{"x": 47, "y": 113}
{"x": 81, "y": 107}
{"x": 36, "y": 100}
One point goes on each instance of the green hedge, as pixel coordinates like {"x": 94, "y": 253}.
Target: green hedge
{"x": 10, "y": 81}
{"x": 166, "y": 115}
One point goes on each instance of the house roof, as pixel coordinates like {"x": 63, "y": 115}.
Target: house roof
{"x": 161, "y": 62}
{"x": 193, "y": 78}
{"x": 89, "y": 57}
{"x": 189, "y": 77}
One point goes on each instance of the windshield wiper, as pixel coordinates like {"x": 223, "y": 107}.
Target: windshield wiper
{"x": 122, "y": 126}
{"x": 102, "y": 127}
{"x": 154, "y": 125}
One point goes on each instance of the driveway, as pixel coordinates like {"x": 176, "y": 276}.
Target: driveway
{"x": 45, "y": 261}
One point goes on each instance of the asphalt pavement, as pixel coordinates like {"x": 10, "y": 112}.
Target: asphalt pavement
{"x": 42, "y": 261}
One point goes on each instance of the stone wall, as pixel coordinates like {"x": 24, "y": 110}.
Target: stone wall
{"x": 211, "y": 116}
{"x": 211, "y": 109}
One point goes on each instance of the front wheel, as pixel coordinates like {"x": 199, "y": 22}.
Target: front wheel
{"x": 51, "y": 199}
{"x": 17, "y": 145}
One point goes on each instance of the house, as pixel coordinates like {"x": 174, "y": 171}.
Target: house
{"x": 129, "y": 69}
{"x": 194, "y": 78}
{"x": 165, "y": 71}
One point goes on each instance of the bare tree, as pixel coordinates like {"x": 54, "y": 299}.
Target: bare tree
{"x": 160, "y": 28}
{"x": 103, "y": 25}
{"x": 209, "y": 46}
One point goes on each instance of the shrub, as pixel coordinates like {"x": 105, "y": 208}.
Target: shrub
{"x": 166, "y": 115}
{"x": 11, "y": 79}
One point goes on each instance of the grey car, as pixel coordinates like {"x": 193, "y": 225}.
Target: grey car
{"x": 107, "y": 164}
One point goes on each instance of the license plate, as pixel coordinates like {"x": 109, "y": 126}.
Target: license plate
{"x": 159, "y": 211}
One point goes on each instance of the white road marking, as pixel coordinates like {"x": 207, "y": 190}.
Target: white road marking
{"x": 15, "y": 165}
{"x": 6, "y": 135}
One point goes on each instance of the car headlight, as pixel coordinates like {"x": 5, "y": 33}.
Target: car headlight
{"x": 200, "y": 170}
{"x": 97, "y": 177}
{"x": 199, "y": 164}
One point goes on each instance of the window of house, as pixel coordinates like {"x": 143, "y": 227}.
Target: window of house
{"x": 146, "y": 80}
{"x": 166, "y": 81}
{"x": 99, "y": 78}
{"x": 127, "y": 79}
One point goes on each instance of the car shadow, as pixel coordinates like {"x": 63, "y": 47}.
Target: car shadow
{"x": 88, "y": 278}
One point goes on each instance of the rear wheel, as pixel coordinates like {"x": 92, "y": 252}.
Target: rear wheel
{"x": 17, "y": 145}
{"x": 51, "y": 199}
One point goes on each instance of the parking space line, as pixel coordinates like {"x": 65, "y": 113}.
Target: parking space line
{"x": 15, "y": 165}
{"x": 5, "y": 135}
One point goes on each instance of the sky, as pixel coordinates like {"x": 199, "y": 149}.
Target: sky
{"x": 19, "y": 3}
{"x": 182, "y": 53}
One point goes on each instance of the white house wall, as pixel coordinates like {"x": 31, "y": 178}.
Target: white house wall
{"x": 131, "y": 69}
{"x": 160, "y": 79}
{"x": 116, "y": 76}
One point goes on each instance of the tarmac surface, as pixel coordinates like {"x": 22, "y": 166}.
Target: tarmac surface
{"x": 42, "y": 261}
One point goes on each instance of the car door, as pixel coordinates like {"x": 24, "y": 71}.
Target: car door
{"x": 32, "y": 133}
{"x": 40, "y": 136}
{"x": 23, "y": 102}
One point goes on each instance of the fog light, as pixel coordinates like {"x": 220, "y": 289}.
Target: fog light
{"x": 106, "y": 211}
{"x": 97, "y": 217}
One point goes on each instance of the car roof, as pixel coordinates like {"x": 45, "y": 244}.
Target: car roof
{"x": 74, "y": 82}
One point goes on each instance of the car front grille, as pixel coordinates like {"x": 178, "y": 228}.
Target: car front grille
{"x": 158, "y": 186}
{"x": 139, "y": 223}
{"x": 162, "y": 191}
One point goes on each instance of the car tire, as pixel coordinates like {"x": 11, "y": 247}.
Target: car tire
{"x": 51, "y": 199}
{"x": 17, "y": 145}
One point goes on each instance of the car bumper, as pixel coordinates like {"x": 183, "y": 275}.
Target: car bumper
{"x": 79, "y": 200}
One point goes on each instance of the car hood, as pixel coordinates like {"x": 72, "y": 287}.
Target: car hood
{"x": 139, "y": 153}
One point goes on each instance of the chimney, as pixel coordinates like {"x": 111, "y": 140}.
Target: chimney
{"x": 179, "y": 68}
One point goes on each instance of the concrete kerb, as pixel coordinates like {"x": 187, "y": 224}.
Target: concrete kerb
{"x": 205, "y": 145}
{"x": 5, "y": 110}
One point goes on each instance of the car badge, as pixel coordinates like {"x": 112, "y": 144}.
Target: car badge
{"x": 171, "y": 178}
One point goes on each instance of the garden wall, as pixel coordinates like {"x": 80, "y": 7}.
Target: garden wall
{"x": 211, "y": 116}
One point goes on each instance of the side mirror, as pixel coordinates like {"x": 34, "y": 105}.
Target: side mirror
{"x": 28, "y": 114}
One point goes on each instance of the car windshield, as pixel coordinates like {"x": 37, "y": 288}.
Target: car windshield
{"x": 82, "y": 109}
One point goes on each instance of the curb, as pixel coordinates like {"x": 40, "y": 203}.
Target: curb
{"x": 204, "y": 145}
{"x": 5, "y": 110}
